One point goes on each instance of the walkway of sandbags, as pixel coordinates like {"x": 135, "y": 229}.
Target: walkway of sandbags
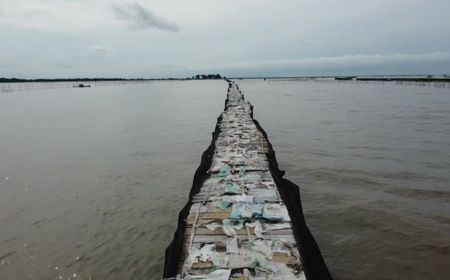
{"x": 238, "y": 227}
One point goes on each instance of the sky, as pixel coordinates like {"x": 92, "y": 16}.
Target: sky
{"x": 179, "y": 38}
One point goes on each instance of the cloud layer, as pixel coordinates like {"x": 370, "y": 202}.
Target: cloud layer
{"x": 142, "y": 18}
{"x": 347, "y": 61}
{"x": 101, "y": 49}
{"x": 161, "y": 38}
{"x": 418, "y": 64}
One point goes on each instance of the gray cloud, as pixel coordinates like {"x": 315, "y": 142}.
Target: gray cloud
{"x": 349, "y": 61}
{"x": 61, "y": 65}
{"x": 424, "y": 63}
{"x": 140, "y": 17}
{"x": 101, "y": 49}
{"x": 278, "y": 39}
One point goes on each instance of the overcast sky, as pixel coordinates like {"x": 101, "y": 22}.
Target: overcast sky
{"x": 168, "y": 38}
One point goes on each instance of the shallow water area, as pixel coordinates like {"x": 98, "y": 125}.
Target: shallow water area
{"x": 92, "y": 179}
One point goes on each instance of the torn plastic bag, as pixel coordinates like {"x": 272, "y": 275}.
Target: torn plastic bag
{"x": 282, "y": 247}
{"x": 280, "y": 271}
{"x": 213, "y": 226}
{"x": 251, "y": 178}
{"x": 201, "y": 255}
{"x": 243, "y": 259}
{"x": 241, "y": 171}
{"x": 228, "y": 227}
{"x": 222, "y": 205}
{"x": 232, "y": 188}
{"x": 246, "y": 210}
{"x": 250, "y": 186}
{"x": 258, "y": 228}
{"x": 218, "y": 164}
{"x": 275, "y": 212}
{"x": 244, "y": 198}
{"x": 270, "y": 227}
{"x": 262, "y": 195}
{"x": 232, "y": 246}
{"x": 220, "y": 274}
{"x": 224, "y": 171}
{"x": 263, "y": 247}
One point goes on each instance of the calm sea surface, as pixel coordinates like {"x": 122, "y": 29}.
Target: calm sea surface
{"x": 92, "y": 179}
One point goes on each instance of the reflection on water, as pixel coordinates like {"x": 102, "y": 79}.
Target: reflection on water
{"x": 91, "y": 180}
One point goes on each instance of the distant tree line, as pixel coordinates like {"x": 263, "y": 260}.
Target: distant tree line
{"x": 16, "y": 80}
{"x": 207, "y": 77}
{"x": 196, "y": 77}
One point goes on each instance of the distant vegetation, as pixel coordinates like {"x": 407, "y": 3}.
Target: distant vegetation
{"x": 16, "y": 80}
{"x": 196, "y": 77}
{"x": 207, "y": 77}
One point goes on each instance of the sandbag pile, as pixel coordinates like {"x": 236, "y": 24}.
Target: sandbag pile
{"x": 237, "y": 226}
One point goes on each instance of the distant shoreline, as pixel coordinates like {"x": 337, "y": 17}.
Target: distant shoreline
{"x": 16, "y": 80}
{"x": 384, "y": 78}
{"x": 405, "y": 79}
{"x": 197, "y": 77}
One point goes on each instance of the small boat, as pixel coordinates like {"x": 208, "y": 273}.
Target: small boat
{"x": 81, "y": 86}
